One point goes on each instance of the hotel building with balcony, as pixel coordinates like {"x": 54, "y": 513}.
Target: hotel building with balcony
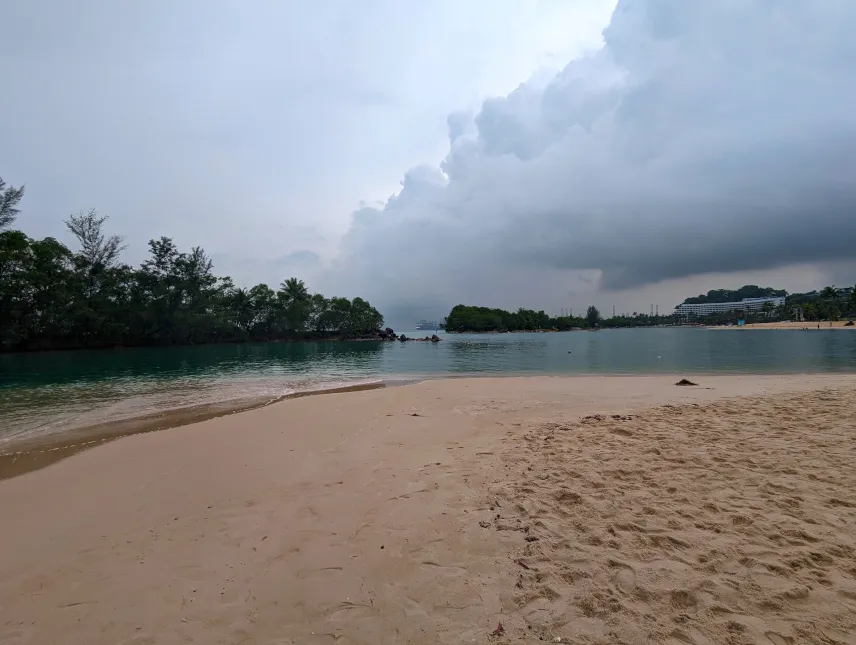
{"x": 746, "y": 305}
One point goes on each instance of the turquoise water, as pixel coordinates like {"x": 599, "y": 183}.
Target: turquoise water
{"x": 53, "y": 392}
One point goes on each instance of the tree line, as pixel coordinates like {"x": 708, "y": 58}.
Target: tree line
{"x": 53, "y": 297}
{"x": 830, "y": 303}
{"x": 467, "y": 318}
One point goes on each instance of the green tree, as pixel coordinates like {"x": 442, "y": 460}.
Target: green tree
{"x": 319, "y": 314}
{"x": 293, "y": 291}
{"x": 96, "y": 249}
{"x": 592, "y": 316}
{"x": 363, "y": 319}
{"x": 9, "y": 199}
{"x": 295, "y": 305}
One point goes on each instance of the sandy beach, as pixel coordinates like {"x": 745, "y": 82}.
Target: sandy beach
{"x": 810, "y": 325}
{"x": 578, "y": 510}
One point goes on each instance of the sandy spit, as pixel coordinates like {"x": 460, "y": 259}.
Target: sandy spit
{"x": 584, "y": 510}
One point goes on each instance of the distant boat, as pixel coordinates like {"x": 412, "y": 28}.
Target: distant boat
{"x": 428, "y": 325}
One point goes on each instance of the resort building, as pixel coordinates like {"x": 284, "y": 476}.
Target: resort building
{"x": 708, "y": 308}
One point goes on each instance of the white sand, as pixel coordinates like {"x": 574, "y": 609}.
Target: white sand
{"x": 366, "y": 518}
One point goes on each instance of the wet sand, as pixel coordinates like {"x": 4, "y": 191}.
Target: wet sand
{"x": 22, "y": 456}
{"x": 588, "y": 510}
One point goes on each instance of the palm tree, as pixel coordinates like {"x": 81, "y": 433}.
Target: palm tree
{"x": 295, "y": 305}
{"x": 829, "y": 293}
{"x": 293, "y": 291}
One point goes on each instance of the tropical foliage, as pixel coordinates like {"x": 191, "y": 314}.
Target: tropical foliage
{"x": 830, "y": 303}
{"x": 54, "y": 297}
{"x": 464, "y": 318}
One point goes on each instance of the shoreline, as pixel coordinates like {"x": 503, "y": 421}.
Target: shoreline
{"x": 792, "y": 326}
{"x": 24, "y": 456}
{"x": 566, "y": 509}
{"x": 19, "y": 457}
{"x": 574, "y": 329}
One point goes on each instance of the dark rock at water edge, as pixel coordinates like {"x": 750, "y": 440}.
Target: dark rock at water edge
{"x": 387, "y": 334}
{"x": 428, "y": 339}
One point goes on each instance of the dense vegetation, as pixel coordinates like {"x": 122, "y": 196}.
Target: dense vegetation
{"x": 735, "y": 295}
{"x": 464, "y": 318}
{"x": 52, "y": 297}
{"x": 830, "y": 303}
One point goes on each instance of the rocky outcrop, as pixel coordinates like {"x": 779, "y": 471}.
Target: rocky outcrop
{"x": 387, "y": 334}
{"x": 428, "y": 339}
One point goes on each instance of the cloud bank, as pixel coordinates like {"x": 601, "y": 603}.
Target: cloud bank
{"x": 703, "y": 137}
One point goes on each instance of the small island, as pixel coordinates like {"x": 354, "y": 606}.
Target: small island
{"x": 470, "y": 319}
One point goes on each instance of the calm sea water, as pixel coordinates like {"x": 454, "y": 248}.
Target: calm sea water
{"x": 54, "y": 392}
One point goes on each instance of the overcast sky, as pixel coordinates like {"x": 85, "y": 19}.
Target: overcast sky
{"x": 421, "y": 153}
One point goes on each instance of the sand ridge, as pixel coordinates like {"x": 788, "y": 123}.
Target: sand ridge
{"x": 431, "y": 513}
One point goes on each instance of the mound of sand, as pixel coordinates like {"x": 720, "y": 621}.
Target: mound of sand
{"x": 729, "y": 522}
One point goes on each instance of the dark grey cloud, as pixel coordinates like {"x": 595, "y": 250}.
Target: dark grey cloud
{"x": 704, "y": 137}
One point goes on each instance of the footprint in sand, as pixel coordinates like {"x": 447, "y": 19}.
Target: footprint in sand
{"x": 448, "y": 569}
{"x": 691, "y": 636}
{"x": 347, "y": 611}
{"x": 778, "y": 639}
{"x": 624, "y": 577}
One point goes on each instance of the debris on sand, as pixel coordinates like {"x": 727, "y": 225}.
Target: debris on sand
{"x": 684, "y": 381}
{"x": 499, "y": 631}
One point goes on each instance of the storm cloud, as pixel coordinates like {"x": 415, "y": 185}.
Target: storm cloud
{"x": 703, "y": 137}
{"x": 676, "y": 145}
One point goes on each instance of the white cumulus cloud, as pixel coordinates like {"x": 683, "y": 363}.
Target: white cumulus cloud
{"x": 708, "y": 136}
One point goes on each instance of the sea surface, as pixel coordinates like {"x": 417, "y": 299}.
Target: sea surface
{"x": 46, "y": 393}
